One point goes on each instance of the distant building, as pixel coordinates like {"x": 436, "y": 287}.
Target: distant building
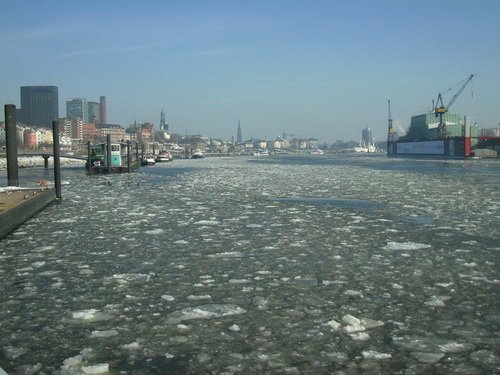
{"x": 90, "y": 133}
{"x": 102, "y": 110}
{"x": 116, "y": 131}
{"x": 163, "y": 123}
{"x": 39, "y": 105}
{"x": 71, "y": 128}
{"x": 94, "y": 117}
{"x": 77, "y": 108}
{"x": 366, "y": 136}
{"x": 29, "y": 138}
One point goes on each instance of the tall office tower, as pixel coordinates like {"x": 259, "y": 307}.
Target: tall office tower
{"x": 102, "y": 110}
{"x": 366, "y": 136}
{"x": 239, "y": 137}
{"x": 39, "y": 105}
{"x": 93, "y": 113}
{"x": 77, "y": 108}
{"x": 163, "y": 123}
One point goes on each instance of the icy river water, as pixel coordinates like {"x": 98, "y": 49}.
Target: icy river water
{"x": 273, "y": 265}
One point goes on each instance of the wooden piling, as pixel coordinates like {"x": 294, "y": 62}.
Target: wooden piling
{"x": 57, "y": 159}
{"x": 89, "y": 154}
{"x": 11, "y": 143}
{"x": 108, "y": 152}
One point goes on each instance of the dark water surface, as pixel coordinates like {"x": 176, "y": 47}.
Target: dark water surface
{"x": 293, "y": 265}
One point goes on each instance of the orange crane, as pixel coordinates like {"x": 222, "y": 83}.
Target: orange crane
{"x": 440, "y": 110}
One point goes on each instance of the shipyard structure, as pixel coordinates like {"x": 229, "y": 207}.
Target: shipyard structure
{"x": 443, "y": 134}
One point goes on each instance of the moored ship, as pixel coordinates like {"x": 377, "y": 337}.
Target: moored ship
{"x": 441, "y": 134}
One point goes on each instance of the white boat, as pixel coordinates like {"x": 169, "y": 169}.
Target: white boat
{"x": 317, "y": 151}
{"x": 362, "y": 148}
{"x": 197, "y": 154}
{"x": 148, "y": 159}
{"x": 261, "y": 152}
{"x": 163, "y": 157}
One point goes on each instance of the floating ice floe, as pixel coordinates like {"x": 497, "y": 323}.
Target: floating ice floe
{"x": 437, "y": 301}
{"x": 354, "y": 327}
{"x": 372, "y": 354}
{"x": 227, "y": 254}
{"x": 405, "y": 246}
{"x": 167, "y": 297}
{"x": 207, "y": 222}
{"x": 198, "y": 298}
{"x": 89, "y": 315}
{"x": 103, "y": 334}
{"x": 425, "y": 357}
{"x": 100, "y": 368}
{"x": 154, "y": 231}
{"x": 208, "y": 311}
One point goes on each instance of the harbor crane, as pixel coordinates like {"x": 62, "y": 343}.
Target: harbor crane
{"x": 440, "y": 110}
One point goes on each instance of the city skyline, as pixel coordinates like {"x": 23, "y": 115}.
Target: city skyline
{"x": 314, "y": 69}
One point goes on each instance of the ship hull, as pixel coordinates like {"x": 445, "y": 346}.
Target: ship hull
{"x": 448, "y": 148}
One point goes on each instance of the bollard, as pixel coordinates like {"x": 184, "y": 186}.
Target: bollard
{"x": 45, "y": 161}
{"x": 57, "y": 159}
{"x": 11, "y": 143}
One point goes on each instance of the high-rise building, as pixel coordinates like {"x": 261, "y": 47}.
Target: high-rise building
{"x": 39, "y": 105}
{"x": 239, "y": 137}
{"x": 163, "y": 123}
{"x": 77, "y": 108}
{"x": 366, "y": 136}
{"x": 93, "y": 113}
{"x": 102, "y": 110}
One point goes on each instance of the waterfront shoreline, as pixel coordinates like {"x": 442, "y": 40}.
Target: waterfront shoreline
{"x": 38, "y": 161}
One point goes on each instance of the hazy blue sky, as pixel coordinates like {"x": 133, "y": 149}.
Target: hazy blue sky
{"x": 311, "y": 68}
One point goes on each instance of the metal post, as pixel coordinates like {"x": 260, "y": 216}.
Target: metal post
{"x": 11, "y": 142}
{"x": 136, "y": 151}
{"x": 108, "y": 153}
{"x": 57, "y": 159}
{"x": 128, "y": 156}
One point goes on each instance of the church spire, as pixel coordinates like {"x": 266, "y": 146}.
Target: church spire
{"x": 239, "y": 138}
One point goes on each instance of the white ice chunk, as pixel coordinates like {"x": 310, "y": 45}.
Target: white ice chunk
{"x": 455, "y": 347}
{"x": 234, "y": 328}
{"x": 207, "y": 222}
{"x": 204, "y": 312}
{"x": 370, "y": 323}
{"x": 199, "y": 298}
{"x": 333, "y": 324}
{"x": 100, "y": 368}
{"x": 437, "y": 301}
{"x": 168, "y": 298}
{"x": 372, "y": 354}
{"x": 426, "y": 357}
{"x": 351, "y": 292}
{"x": 87, "y": 314}
{"x": 349, "y": 319}
{"x": 132, "y": 346}
{"x": 101, "y": 334}
{"x": 360, "y": 336}
{"x": 405, "y": 246}
{"x": 73, "y": 361}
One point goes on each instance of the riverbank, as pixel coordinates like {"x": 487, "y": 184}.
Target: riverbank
{"x": 37, "y": 161}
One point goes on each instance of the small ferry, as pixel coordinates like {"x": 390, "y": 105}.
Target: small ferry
{"x": 119, "y": 160}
